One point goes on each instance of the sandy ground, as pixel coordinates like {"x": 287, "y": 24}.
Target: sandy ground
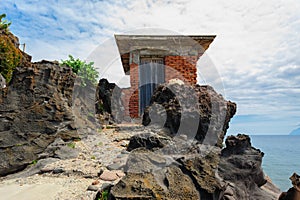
{"x": 96, "y": 151}
{"x": 41, "y": 188}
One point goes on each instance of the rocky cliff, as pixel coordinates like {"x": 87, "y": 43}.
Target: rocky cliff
{"x": 35, "y": 109}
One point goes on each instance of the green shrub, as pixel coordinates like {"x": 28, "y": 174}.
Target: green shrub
{"x": 10, "y": 57}
{"x": 34, "y": 162}
{"x": 4, "y": 24}
{"x": 104, "y": 195}
{"x": 86, "y": 71}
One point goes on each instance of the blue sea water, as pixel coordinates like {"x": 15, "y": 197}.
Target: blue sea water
{"x": 282, "y": 157}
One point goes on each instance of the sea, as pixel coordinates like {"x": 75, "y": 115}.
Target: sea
{"x": 281, "y": 158}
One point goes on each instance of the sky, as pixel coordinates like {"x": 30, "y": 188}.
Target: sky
{"x": 255, "y": 56}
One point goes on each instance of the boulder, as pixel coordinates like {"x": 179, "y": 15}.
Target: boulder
{"x": 149, "y": 140}
{"x": 196, "y": 111}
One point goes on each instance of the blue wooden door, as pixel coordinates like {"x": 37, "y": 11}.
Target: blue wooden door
{"x": 151, "y": 73}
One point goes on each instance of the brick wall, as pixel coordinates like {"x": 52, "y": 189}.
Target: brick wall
{"x": 132, "y": 95}
{"x": 181, "y": 67}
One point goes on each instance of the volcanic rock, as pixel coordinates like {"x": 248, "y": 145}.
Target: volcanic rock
{"x": 185, "y": 169}
{"x": 35, "y": 109}
{"x": 240, "y": 166}
{"x": 148, "y": 140}
{"x": 108, "y": 102}
{"x": 196, "y": 111}
{"x": 294, "y": 192}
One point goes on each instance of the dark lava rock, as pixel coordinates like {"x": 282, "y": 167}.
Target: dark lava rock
{"x": 295, "y": 178}
{"x": 148, "y": 140}
{"x": 58, "y": 171}
{"x": 196, "y": 111}
{"x": 108, "y": 101}
{"x": 35, "y": 109}
{"x": 294, "y": 192}
{"x": 237, "y": 145}
{"x": 240, "y": 165}
{"x": 183, "y": 169}
{"x": 59, "y": 149}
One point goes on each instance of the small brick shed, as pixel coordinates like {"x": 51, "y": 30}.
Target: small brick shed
{"x": 154, "y": 59}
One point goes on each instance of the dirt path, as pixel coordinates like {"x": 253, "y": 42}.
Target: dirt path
{"x": 71, "y": 178}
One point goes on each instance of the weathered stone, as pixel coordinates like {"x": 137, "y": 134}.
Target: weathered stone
{"x": 115, "y": 166}
{"x": 207, "y": 171}
{"x": 237, "y": 144}
{"x": 294, "y": 192}
{"x": 46, "y": 170}
{"x": 142, "y": 160}
{"x": 59, "y": 149}
{"x": 203, "y": 170}
{"x": 196, "y": 111}
{"x": 93, "y": 188}
{"x": 148, "y": 140}
{"x": 172, "y": 183}
{"x": 295, "y": 179}
{"x": 105, "y": 186}
{"x": 58, "y": 171}
{"x": 109, "y": 175}
{"x": 108, "y": 102}
{"x": 240, "y": 165}
{"x": 35, "y": 109}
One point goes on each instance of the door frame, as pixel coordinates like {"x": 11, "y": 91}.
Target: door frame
{"x": 143, "y": 61}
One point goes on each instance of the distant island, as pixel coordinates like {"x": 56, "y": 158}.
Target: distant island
{"x": 295, "y": 132}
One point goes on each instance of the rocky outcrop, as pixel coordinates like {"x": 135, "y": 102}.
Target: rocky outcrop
{"x": 183, "y": 139}
{"x": 240, "y": 168}
{"x": 195, "y": 111}
{"x": 161, "y": 167}
{"x": 35, "y": 109}
{"x": 108, "y": 102}
{"x": 294, "y": 192}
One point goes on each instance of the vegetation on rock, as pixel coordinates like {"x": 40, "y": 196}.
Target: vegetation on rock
{"x": 86, "y": 71}
{"x": 10, "y": 56}
{"x": 4, "y": 24}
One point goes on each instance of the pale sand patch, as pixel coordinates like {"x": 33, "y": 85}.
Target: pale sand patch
{"x": 29, "y": 191}
{"x": 45, "y": 187}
